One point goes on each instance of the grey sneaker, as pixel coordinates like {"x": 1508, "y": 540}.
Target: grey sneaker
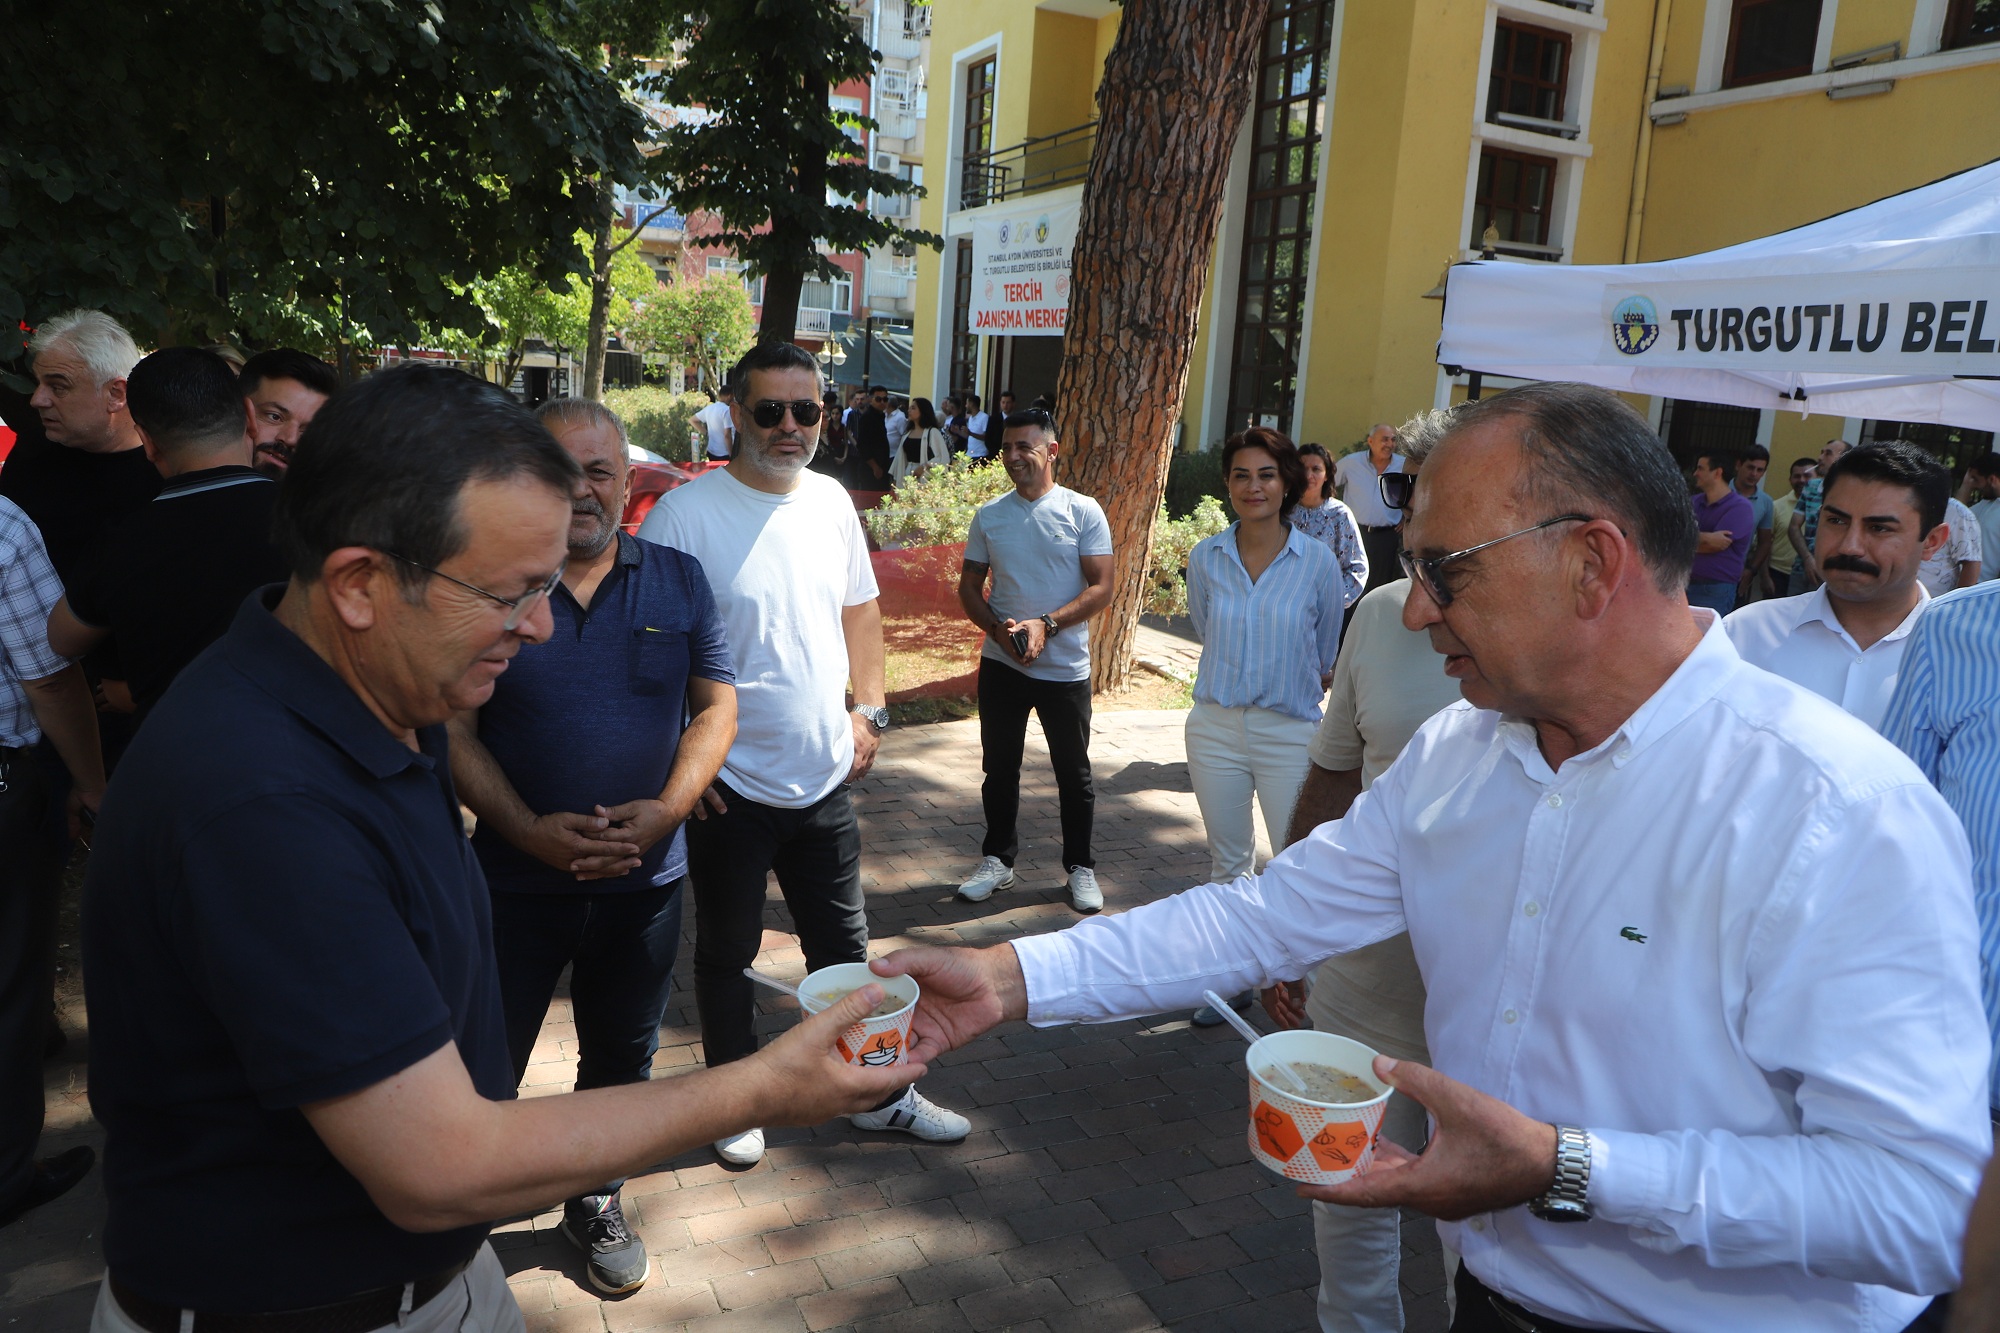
{"x": 916, "y": 1114}
{"x": 595, "y": 1224}
{"x": 1084, "y": 895}
{"x": 993, "y": 873}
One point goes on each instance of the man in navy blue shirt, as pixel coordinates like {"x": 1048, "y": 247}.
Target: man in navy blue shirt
{"x": 581, "y": 777}
{"x": 297, "y": 1045}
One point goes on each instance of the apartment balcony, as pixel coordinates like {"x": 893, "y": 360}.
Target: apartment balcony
{"x": 1028, "y": 167}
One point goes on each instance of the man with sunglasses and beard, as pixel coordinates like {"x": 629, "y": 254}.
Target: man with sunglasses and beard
{"x": 1700, "y": 954}
{"x": 582, "y": 769}
{"x": 785, "y": 556}
{"x": 1882, "y": 516}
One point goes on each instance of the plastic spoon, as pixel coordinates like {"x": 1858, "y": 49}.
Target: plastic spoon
{"x": 1252, "y": 1035}
{"x": 762, "y": 979}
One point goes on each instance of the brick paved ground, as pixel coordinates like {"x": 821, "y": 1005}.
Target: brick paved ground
{"x": 1106, "y": 1185}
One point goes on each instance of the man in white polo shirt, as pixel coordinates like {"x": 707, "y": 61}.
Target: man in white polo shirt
{"x": 1048, "y": 552}
{"x": 789, "y": 568}
{"x": 1358, "y": 476}
{"x": 1881, "y": 516}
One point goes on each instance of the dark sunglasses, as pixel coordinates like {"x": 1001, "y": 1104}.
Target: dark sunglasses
{"x": 1428, "y": 570}
{"x": 1396, "y": 488}
{"x": 770, "y": 412}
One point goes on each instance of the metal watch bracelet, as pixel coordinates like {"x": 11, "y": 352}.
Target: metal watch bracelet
{"x": 1567, "y": 1199}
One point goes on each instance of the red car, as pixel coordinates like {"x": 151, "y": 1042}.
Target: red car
{"x": 650, "y": 481}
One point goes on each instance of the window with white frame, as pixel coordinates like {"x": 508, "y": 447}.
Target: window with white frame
{"x": 836, "y": 296}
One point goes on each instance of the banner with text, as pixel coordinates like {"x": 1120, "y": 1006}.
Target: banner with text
{"x": 1020, "y": 271}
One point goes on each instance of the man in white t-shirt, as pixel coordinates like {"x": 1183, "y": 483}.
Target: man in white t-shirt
{"x": 720, "y": 426}
{"x": 785, "y": 557}
{"x": 1357, "y": 475}
{"x": 1048, "y": 552}
{"x": 1982, "y": 493}
{"x": 1882, "y": 517}
{"x": 977, "y": 425}
{"x": 1957, "y": 563}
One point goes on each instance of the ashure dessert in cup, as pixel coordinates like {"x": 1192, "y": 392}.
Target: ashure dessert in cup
{"x": 1326, "y": 1134}
{"x": 883, "y": 1037}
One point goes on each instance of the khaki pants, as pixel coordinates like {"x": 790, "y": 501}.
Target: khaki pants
{"x": 478, "y": 1301}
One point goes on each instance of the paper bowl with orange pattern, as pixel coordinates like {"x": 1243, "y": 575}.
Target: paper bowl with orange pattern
{"x": 883, "y": 1038}
{"x": 1302, "y": 1139}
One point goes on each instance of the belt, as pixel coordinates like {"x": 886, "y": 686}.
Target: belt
{"x": 1378, "y": 527}
{"x": 356, "y": 1314}
{"x": 1506, "y": 1314}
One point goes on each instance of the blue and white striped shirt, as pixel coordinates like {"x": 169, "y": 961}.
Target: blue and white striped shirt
{"x": 1264, "y": 644}
{"x": 29, "y": 589}
{"x": 1946, "y": 716}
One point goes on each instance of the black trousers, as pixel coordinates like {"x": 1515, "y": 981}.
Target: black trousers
{"x": 1382, "y": 546}
{"x": 1005, "y": 698}
{"x": 1477, "y": 1315}
{"x": 30, "y": 883}
{"x": 816, "y": 853}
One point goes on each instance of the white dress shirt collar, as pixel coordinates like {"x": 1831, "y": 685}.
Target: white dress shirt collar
{"x": 1818, "y": 606}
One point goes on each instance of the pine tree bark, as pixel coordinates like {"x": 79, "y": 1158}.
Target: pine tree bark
{"x": 1175, "y": 89}
{"x": 600, "y": 295}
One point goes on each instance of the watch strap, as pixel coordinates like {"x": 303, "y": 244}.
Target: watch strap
{"x": 1568, "y": 1199}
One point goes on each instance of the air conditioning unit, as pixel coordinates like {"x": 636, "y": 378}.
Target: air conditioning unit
{"x": 888, "y": 162}
{"x": 893, "y": 85}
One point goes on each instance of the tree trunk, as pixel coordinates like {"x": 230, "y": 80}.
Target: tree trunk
{"x": 779, "y": 318}
{"x": 600, "y": 294}
{"x": 1175, "y": 88}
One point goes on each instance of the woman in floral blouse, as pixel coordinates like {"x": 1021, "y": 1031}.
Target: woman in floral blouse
{"x": 1320, "y": 515}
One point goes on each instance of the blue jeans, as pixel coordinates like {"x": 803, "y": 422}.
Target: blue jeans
{"x": 622, "y": 946}
{"x": 1717, "y": 597}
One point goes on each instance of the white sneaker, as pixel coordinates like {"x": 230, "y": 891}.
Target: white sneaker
{"x": 993, "y": 873}
{"x": 1084, "y": 895}
{"x": 745, "y": 1149}
{"x": 915, "y": 1114}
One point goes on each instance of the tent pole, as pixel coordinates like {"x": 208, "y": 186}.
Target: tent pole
{"x": 1643, "y": 158}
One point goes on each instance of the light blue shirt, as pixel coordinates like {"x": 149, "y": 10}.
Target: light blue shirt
{"x": 1264, "y": 644}
{"x": 1035, "y": 549}
{"x": 1946, "y": 716}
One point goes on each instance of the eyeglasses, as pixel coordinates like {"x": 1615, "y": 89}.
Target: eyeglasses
{"x": 770, "y": 412}
{"x": 1396, "y": 488}
{"x": 1426, "y": 570}
{"x": 518, "y": 608}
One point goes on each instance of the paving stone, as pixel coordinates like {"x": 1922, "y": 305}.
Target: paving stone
{"x": 1192, "y": 1296}
{"x": 853, "y": 1304}
{"x": 741, "y": 1222}
{"x": 1114, "y": 1277}
{"x": 846, "y": 1202}
{"x": 947, "y": 1242}
{"x": 1063, "y": 1219}
{"x": 776, "y": 1317}
{"x": 1121, "y": 1314}
{"x": 945, "y": 1282}
{"x": 944, "y": 1317}
{"x": 843, "y": 1268}
{"x": 657, "y": 1305}
{"x": 1191, "y": 1258}
{"x": 1006, "y": 1306}
{"x": 779, "y": 1282}
{"x": 1122, "y": 1205}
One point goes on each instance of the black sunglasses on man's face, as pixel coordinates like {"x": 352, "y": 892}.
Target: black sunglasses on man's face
{"x": 1396, "y": 488}
{"x": 770, "y": 412}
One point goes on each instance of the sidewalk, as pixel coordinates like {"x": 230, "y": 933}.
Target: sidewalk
{"x": 1106, "y": 1185}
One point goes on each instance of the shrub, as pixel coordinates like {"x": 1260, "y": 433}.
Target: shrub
{"x": 1190, "y": 476}
{"x": 936, "y": 509}
{"x": 659, "y": 419}
{"x": 1173, "y": 539}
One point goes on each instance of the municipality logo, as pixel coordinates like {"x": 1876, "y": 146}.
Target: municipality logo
{"x": 1004, "y": 229}
{"x": 1635, "y": 325}
{"x": 1042, "y": 230}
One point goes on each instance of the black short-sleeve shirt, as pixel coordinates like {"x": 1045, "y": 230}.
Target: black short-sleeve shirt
{"x": 281, "y": 908}
{"x": 170, "y": 579}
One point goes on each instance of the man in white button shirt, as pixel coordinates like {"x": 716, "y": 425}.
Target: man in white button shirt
{"x": 1883, "y": 515}
{"x": 1738, "y": 1079}
{"x": 1358, "y": 477}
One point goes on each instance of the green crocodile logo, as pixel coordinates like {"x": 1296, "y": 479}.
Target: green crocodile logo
{"x": 1632, "y": 933}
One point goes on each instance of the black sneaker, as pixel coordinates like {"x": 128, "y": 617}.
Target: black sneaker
{"x": 595, "y": 1224}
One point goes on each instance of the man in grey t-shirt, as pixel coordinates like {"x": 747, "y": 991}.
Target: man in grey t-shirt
{"x": 1048, "y": 552}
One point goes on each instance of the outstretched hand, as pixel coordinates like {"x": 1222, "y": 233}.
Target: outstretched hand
{"x": 1483, "y": 1154}
{"x": 808, "y": 1083}
{"x": 965, "y": 992}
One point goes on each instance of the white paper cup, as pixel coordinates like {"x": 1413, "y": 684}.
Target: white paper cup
{"x": 1313, "y": 1142}
{"x": 872, "y": 1041}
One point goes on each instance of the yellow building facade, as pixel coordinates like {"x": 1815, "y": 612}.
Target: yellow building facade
{"x": 1384, "y": 137}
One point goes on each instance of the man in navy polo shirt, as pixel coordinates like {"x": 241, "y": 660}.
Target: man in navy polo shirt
{"x": 581, "y": 777}
{"x": 297, "y": 1045}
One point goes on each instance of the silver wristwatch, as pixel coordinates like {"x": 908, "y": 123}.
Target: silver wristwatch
{"x": 875, "y": 715}
{"x": 1566, "y": 1200}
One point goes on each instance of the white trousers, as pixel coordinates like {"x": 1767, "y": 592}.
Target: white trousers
{"x": 1361, "y": 1249}
{"x": 477, "y": 1301}
{"x": 1233, "y": 753}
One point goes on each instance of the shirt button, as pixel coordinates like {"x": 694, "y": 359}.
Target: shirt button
{"x": 1479, "y": 1224}
{"x": 1532, "y": 909}
{"x": 1555, "y": 801}
{"x": 1510, "y": 1016}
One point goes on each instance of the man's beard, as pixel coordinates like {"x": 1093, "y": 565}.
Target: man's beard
{"x": 758, "y": 455}
{"x": 589, "y": 548}
{"x": 272, "y": 458}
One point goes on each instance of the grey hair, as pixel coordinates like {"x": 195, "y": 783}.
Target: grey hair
{"x": 100, "y": 341}
{"x": 1584, "y": 449}
{"x": 558, "y": 412}
{"x": 1421, "y": 433}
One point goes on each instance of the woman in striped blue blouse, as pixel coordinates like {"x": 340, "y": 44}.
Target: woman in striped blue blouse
{"x": 1266, "y": 600}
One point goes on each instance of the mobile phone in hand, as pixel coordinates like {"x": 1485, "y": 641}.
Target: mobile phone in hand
{"x": 1020, "y": 640}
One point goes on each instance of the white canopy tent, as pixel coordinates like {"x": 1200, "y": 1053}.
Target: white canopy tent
{"x": 1890, "y": 311}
